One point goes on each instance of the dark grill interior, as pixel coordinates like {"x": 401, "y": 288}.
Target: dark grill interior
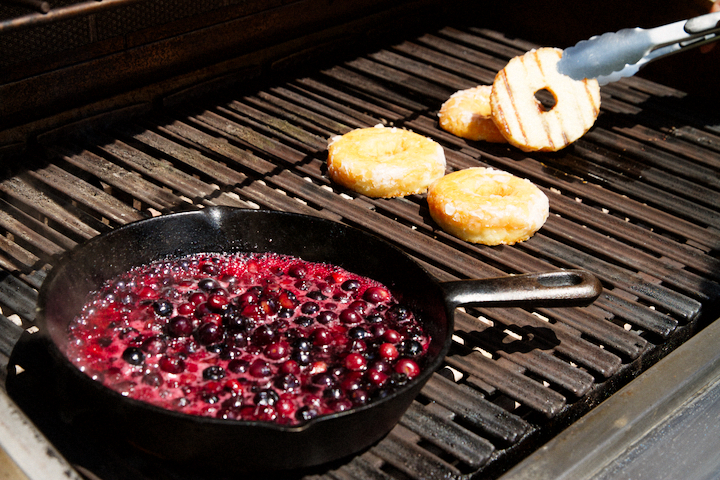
{"x": 635, "y": 201}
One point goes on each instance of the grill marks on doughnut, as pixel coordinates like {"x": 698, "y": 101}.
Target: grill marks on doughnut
{"x": 545, "y": 124}
{"x": 590, "y": 96}
{"x": 499, "y": 113}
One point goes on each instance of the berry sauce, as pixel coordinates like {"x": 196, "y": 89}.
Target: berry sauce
{"x": 259, "y": 337}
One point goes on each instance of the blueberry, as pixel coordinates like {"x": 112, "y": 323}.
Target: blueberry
{"x": 266, "y": 397}
{"x": 398, "y": 379}
{"x": 411, "y": 348}
{"x": 303, "y": 321}
{"x": 214, "y": 372}
{"x": 309, "y": 308}
{"x": 397, "y": 313}
{"x": 287, "y": 382}
{"x": 303, "y": 344}
{"x": 235, "y": 401}
{"x": 229, "y": 353}
{"x": 306, "y": 413}
{"x": 208, "y": 284}
{"x": 303, "y": 358}
{"x": 358, "y": 333}
{"x": 333, "y": 393}
{"x": 238, "y": 339}
{"x": 233, "y": 320}
{"x": 209, "y": 397}
{"x": 350, "y": 285}
{"x": 316, "y": 295}
{"x": 285, "y": 313}
{"x": 163, "y": 308}
{"x": 133, "y": 356}
{"x": 374, "y": 318}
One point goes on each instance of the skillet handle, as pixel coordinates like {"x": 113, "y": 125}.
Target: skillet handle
{"x": 566, "y": 288}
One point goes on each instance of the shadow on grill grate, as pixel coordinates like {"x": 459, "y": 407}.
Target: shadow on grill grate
{"x": 635, "y": 202}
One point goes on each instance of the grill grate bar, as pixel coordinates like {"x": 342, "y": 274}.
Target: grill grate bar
{"x": 474, "y": 410}
{"x": 399, "y": 450}
{"x": 438, "y": 429}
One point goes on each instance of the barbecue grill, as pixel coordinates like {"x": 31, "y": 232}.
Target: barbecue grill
{"x": 116, "y": 110}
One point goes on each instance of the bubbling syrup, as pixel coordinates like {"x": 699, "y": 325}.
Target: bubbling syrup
{"x": 259, "y": 337}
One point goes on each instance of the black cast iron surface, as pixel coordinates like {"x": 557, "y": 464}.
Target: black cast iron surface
{"x": 635, "y": 202}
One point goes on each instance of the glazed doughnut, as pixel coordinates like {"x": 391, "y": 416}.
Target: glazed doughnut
{"x": 467, "y": 114}
{"x": 523, "y": 121}
{"x": 385, "y": 162}
{"x": 492, "y": 207}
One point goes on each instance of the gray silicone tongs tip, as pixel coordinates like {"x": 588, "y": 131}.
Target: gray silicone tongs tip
{"x": 614, "y": 55}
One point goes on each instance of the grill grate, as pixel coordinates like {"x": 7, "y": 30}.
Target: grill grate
{"x": 635, "y": 202}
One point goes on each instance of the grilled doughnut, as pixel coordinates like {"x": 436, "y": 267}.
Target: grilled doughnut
{"x": 492, "y": 207}
{"x": 385, "y": 162}
{"x": 467, "y": 114}
{"x": 523, "y": 121}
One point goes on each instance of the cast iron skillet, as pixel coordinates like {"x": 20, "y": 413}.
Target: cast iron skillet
{"x": 235, "y": 445}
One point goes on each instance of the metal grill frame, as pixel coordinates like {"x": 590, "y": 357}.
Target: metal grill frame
{"x": 618, "y": 210}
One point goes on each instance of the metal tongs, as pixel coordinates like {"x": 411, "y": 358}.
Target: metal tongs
{"x": 612, "y": 56}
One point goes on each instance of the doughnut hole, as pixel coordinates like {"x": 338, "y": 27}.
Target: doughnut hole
{"x": 546, "y": 99}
